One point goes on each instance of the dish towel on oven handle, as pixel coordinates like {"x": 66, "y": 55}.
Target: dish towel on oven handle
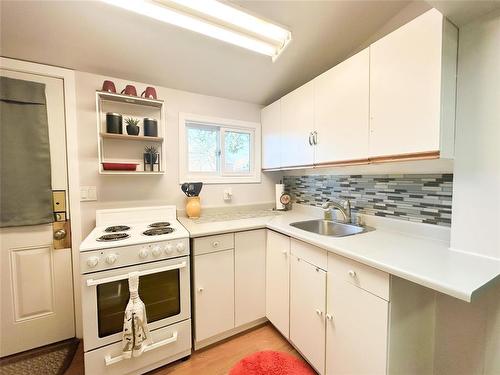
{"x": 135, "y": 324}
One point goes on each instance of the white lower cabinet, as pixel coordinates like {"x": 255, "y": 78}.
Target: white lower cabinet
{"x": 356, "y": 330}
{"x": 277, "y": 281}
{"x": 229, "y": 284}
{"x": 214, "y": 293}
{"x": 307, "y": 311}
{"x": 249, "y": 276}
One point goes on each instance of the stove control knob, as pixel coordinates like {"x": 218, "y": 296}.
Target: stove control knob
{"x": 111, "y": 258}
{"x": 169, "y": 249}
{"x": 180, "y": 247}
{"x": 143, "y": 253}
{"x": 92, "y": 262}
{"x": 156, "y": 251}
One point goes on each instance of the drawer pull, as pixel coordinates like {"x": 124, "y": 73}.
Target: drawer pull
{"x": 215, "y": 244}
{"x": 112, "y": 360}
{"x": 352, "y": 273}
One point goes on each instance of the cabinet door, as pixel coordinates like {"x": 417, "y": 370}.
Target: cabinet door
{"x": 307, "y": 311}
{"x": 297, "y": 121}
{"x": 356, "y": 334}
{"x": 249, "y": 276}
{"x": 277, "y": 281}
{"x": 214, "y": 293}
{"x": 405, "y": 88}
{"x": 271, "y": 135}
{"x": 341, "y": 110}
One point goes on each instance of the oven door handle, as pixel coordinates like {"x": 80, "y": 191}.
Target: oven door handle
{"x": 112, "y": 360}
{"x": 92, "y": 282}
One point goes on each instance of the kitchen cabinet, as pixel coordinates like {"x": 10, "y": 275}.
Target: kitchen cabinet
{"x": 341, "y": 111}
{"x": 392, "y": 101}
{"x": 277, "y": 281}
{"x": 412, "y": 88}
{"x": 297, "y": 121}
{"x": 271, "y": 135}
{"x": 229, "y": 284}
{"x": 214, "y": 293}
{"x": 356, "y": 332}
{"x": 249, "y": 276}
{"x": 307, "y": 310}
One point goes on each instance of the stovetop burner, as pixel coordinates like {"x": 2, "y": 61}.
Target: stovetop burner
{"x": 117, "y": 228}
{"x": 159, "y": 224}
{"x": 113, "y": 237}
{"x": 158, "y": 231}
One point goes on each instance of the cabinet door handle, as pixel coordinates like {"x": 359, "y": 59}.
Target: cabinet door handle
{"x": 310, "y": 139}
{"x": 315, "y": 137}
{"x": 200, "y": 290}
{"x": 319, "y": 312}
{"x": 352, "y": 273}
{"x": 329, "y": 316}
{"x": 284, "y": 252}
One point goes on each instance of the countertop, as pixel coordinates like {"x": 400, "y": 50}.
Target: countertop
{"x": 427, "y": 261}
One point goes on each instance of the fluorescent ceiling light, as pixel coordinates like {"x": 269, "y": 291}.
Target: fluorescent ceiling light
{"x": 216, "y": 20}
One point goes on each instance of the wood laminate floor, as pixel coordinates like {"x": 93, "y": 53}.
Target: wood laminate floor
{"x": 217, "y": 359}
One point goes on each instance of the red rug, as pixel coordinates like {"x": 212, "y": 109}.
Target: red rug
{"x": 271, "y": 363}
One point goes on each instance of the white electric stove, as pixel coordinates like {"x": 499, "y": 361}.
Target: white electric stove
{"x": 151, "y": 241}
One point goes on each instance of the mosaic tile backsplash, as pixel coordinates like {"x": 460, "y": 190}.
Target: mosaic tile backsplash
{"x": 423, "y": 198}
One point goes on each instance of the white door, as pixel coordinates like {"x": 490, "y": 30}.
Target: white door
{"x": 356, "y": 333}
{"x": 307, "y": 311}
{"x": 341, "y": 110}
{"x": 249, "y": 276}
{"x": 277, "y": 281}
{"x": 214, "y": 293}
{"x": 271, "y": 135}
{"x": 297, "y": 121}
{"x": 405, "y": 88}
{"x": 36, "y": 304}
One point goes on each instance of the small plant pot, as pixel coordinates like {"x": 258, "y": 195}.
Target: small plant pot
{"x": 150, "y": 158}
{"x": 193, "y": 207}
{"x": 133, "y": 130}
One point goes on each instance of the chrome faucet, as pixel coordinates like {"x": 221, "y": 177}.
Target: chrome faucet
{"x": 344, "y": 208}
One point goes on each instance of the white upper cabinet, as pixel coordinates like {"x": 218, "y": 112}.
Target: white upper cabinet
{"x": 297, "y": 121}
{"x": 271, "y": 135}
{"x": 412, "y": 88}
{"x": 341, "y": 111}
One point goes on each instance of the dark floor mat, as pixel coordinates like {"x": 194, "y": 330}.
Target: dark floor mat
{"x": 52, "y": 359}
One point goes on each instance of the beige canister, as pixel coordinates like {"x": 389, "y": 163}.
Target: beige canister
{"x": 193, "y": 207}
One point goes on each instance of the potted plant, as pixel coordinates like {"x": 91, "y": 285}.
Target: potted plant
{"x": 132, "y": 128}
{"x": 150, "y": 154}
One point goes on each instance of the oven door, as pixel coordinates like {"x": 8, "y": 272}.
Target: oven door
{"x": 163, "y": 287}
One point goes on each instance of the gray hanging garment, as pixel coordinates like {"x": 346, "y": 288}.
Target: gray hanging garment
{"x": 25, "y": 174}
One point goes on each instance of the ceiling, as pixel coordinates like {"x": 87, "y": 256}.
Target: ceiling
{"x": 95, "y": 37}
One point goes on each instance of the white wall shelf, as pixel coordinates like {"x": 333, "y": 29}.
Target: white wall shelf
{"x": 124, "y": 148}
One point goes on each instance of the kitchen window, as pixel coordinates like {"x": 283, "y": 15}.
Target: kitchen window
{"x": 214, "y": 150}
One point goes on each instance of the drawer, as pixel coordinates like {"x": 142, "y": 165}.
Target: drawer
{"x": 311, "y": 254}
{"x": 365, "y": 277}
{"x": 210, "y": 244}
{"x": 95, "y": 360}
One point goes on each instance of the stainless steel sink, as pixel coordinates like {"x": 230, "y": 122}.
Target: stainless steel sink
{"x": 330, "y": 228}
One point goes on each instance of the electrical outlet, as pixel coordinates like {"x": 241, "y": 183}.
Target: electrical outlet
{"x": 88, "y": 193}
{"x": 228, "y": 194}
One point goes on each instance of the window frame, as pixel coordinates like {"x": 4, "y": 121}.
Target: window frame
{"x": 221, "y": 176}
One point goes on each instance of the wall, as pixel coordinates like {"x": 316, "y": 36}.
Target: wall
{"x": 116, "y": 191}
{"x": 476, "y": 216}
{"x": 468, "y": 334}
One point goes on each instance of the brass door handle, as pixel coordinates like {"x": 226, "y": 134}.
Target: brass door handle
{"x": 60, "y": 234}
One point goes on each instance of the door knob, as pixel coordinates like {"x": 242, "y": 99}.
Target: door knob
{"x": 60, "y": 234}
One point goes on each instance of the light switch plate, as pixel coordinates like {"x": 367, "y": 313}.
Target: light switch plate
{"x": 88, "y": 193}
